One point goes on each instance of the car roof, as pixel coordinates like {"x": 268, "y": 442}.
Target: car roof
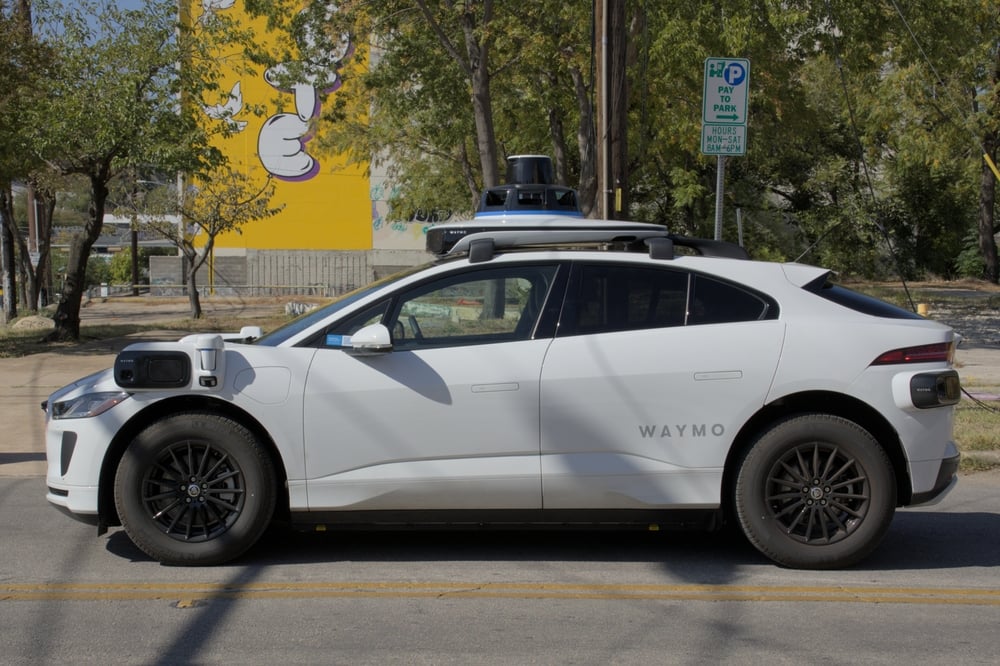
{"x": 481, "y": 239}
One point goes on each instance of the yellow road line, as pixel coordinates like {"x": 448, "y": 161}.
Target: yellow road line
{"x": 477, "y": 590}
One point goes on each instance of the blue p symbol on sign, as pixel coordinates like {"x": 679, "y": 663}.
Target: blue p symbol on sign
{"x": 734, "y": 74}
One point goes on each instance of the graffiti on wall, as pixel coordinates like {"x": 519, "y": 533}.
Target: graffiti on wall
{"x": 405, "y": 233}
{"x": 282, "y": 143}
{"x": 283, "y": 137}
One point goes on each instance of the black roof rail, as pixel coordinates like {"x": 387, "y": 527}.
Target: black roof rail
{"x": 453, "y": 238}
{"x": 471, "y": 238}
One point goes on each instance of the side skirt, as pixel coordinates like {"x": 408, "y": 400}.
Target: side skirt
{"x": 666, "y": 519}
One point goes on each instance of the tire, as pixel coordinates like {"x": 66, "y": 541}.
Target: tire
{"x": 195, "y": 489}
{"x": 815, "y": 492}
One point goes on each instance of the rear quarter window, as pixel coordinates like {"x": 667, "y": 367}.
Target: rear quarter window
{"x": 717, "y": 302}
{"x": 857, "y": 301}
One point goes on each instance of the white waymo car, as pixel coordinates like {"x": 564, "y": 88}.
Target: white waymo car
{"x": 540, "y": 371}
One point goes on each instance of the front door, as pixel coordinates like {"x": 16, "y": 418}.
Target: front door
{"x": 448, "y": 419}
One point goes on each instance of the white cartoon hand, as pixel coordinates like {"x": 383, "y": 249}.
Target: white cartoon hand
{"x": 213, "y": 5}
{"x": 281, "y": 149}
{"x": 226, "y": 112}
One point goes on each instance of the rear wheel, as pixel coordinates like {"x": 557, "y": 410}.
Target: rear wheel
{"x": 195, "y": 489}
{"x": 815, "y": 492}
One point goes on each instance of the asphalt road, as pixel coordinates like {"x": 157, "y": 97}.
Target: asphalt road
{"x": 930, "y": 594}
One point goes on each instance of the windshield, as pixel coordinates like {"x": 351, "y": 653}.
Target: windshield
{"x": 305, "y": 321}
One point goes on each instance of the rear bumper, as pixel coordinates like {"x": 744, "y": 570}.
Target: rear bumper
{"x": 947, "y": 477}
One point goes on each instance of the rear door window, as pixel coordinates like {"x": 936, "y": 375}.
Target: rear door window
{"x": 616, "y": 297}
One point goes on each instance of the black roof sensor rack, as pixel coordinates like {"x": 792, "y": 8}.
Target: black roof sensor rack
{"x": 545, "y": 231}
{"x": 481, "y": 241}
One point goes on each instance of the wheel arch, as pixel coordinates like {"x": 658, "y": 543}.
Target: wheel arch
{"x": 106, "y": 512}
{"x": 818, "y": 402}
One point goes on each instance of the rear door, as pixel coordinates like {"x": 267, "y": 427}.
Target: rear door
{"x": 653, "y": 372}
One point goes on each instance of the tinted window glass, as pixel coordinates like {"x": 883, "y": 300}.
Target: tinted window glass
{"x": 717, "y": 302}
{"x": 859, "y": 302}
{"x": 622, "y": 298}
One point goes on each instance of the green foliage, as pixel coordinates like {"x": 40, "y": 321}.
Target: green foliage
{"x": 864, "y": 123}
{"x": 99, "y": 270}
{"x": 969, "y": 262}
{"x": 107, "y": 106}
{"x": 867, "y": 120}
{"x": 120, "y": 267}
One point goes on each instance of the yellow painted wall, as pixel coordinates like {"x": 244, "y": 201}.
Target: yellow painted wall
{"x": 326, "y": 206}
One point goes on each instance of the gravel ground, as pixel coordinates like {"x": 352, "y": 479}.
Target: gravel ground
{"x": 979, "y": 326}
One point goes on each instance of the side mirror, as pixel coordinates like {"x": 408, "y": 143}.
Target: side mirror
{"x": 251, "y": 333}
{"x": 371, "y": 340}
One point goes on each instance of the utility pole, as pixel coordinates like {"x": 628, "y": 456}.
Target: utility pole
{"x": 618, "y": 96}
{"x": 601, "y": 61}
{"x": 611, "y": 36}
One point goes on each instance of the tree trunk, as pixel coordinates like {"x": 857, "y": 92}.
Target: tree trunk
{"x": 557, "y": 132}
{"x": 194, "y": 262}
{"x": 33, "y": 274}
{"x": 67, "y": 316}
{"x": 194, "y": 300}
{"x": 482, "y": 101}
{"x": 987, "y": 219}
{"x": 68, "y": 311}
{"x": 25, "y": 275}
{"x": 8, "y": 283}
{"x": 586, "y": 136}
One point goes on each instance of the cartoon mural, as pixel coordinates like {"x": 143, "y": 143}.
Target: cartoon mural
{"x": 282, "y": 141}
{"x": 328, "y": 205}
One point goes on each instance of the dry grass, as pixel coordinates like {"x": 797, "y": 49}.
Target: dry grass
{"x": 977, "y": 434}
{"x": 14, "y": 343}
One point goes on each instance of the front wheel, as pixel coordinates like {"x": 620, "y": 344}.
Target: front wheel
{"x": 815, "y": 492}
{"x": 195, "y": 489}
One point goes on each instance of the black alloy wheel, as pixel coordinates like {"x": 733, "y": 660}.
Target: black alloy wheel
{"x": 195, "y": 488}
{"x": 194, "y": 491}
{"x": 815, "y": 491}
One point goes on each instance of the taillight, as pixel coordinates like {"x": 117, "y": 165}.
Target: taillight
{"x": 938, "y": 352}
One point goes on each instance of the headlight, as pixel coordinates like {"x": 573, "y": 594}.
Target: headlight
{"x": 88, "y": 405}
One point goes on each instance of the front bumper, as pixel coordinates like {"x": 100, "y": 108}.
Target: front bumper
{"x": 58, "y": 499}
{"x": 75, "y": 450}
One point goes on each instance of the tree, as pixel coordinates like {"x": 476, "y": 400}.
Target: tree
{"x": 446, "y": 78}
{"x": 930, "y": 112}
{"x": 23, "y": 64}
{"x": 547, "y": 101}
{"x": 111, "y": 100}
{"x": 475, "y": 25}
{"x": 111, "y": 105}
{"x": 222, "y": 201}
{"x": 853, "y": 157}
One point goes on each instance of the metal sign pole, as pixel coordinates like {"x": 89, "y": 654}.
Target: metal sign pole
{"x": 720, "y": 182}
{"x": 724, "y": 118}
